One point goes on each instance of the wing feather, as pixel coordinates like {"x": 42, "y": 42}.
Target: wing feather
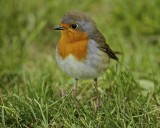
{"x": 99, "y": 38}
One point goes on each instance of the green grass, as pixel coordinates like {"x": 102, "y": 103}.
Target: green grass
{"x": 31, "y": 84}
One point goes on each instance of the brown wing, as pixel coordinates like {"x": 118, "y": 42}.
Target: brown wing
{"x": 108, "y": 50}
{"x": 99, "y": 38}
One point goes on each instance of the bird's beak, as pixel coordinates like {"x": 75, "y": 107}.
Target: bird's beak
{"x": 59, "y": 28}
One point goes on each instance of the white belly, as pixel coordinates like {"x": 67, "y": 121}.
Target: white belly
{"x": 93, "y": 66}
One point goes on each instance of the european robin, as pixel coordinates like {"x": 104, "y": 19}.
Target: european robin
{"x": 82, "y": 51}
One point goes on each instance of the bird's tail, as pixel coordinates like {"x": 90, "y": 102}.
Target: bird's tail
{"x": 117, "y": 52}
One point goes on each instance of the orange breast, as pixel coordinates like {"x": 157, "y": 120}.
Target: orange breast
{"x": 73, "y": 42}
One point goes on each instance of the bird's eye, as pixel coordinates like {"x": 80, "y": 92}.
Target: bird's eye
{"x": 74, "y": 26}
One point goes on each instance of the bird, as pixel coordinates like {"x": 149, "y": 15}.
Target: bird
{"x": 82, "y": 51}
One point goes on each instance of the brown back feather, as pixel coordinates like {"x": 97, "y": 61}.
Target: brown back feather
{"x": 99, "y": 38}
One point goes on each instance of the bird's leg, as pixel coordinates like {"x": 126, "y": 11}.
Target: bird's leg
{"x": 76, "y": 83}
{"x": 75, "y": 86}
{"x": 97, "y": 98}
{"x": 95, "y": 84}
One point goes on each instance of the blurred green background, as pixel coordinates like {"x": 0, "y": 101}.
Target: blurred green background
{"x": 28, "y": 42}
